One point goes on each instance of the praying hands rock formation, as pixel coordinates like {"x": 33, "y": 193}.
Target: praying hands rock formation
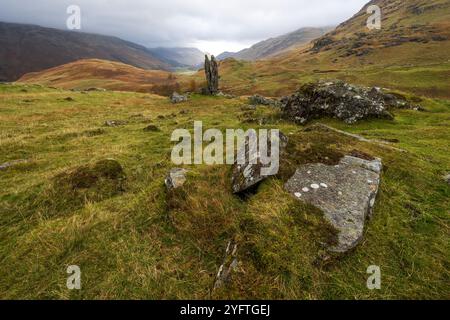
{"x": 212, "y": 76}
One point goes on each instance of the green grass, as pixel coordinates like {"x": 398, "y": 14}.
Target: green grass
{"x": 142, "y": 243}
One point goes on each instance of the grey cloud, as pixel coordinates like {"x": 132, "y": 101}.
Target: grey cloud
{"x": 182, "y": 22}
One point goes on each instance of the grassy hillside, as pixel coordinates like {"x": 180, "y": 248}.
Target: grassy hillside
{"x": 411, "y": 52}
{"x": 140, "y": 242}
{"x": 85, "y": 74}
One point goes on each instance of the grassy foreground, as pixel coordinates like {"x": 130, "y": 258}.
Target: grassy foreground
{"x": 140, "y": 243}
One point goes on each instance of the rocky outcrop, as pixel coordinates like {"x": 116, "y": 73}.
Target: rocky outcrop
{"x": 212, "y": 76}
{"x": 345, "y": 193}
{"x": 245, "y": 176}
{"x": 176, "y": 178}
{"x": 178, "y": 98}
{"x": 340, "y": 100}
{"x": 321, "y": 43}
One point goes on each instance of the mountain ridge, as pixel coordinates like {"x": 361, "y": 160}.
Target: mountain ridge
{"x": 276, "y": 45}
{"x": 29, "y": 48}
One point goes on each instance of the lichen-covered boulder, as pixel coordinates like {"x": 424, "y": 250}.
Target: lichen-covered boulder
{"x": 340, "y": 100}
{"x": 345, "y": 193}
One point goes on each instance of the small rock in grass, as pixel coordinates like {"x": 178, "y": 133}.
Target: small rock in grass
{"x": 12, "y": 163}
{"x": 178, "y": 98}
{"x": 447, "y": 178}
{"x": 114, "y": 123}
{"x": 176, "y": 178}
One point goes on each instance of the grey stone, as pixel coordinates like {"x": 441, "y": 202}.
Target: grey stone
{"x": 212, "y": 76}
{"x": 447, "y": 178}
{"x": 178, "y": 98}
{"x": 228, "y": 266}
{"x": 245, "y": 176}
{"x": 340, "y": 100}
{"x": 12, "y": 163}
{"x": 225, "y": 95}
{"x": 176, "y": 178}
{"x": 346, "y": 195}
{"x": 115, "y": 123}
{"x": 260, "y": 100}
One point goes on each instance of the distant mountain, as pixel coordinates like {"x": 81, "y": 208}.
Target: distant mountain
{"x": 228, "y": 54}
{"x": 29, "y": 48}
{"x": 274, "y": 46}
{"x": 180, "y": 57}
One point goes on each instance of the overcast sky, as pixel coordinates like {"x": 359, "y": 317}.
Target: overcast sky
{"x": 212, "y": 26}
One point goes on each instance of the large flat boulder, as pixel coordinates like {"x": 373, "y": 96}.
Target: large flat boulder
{"x": 345, "y": 193}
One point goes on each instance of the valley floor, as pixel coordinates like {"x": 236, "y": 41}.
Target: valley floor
{"x": 136, "y": 244}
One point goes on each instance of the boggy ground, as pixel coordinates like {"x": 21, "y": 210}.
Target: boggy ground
{"x": 133, "y": 240}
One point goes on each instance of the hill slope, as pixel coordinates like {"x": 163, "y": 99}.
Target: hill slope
{"x": 411, "y": 52}
{"x": 29, "y": 48}
{"x": 89, "y": 73}
{"x": 273, "y": 46}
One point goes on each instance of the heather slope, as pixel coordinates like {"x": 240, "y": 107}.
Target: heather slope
{"x": 94, "y": 73}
